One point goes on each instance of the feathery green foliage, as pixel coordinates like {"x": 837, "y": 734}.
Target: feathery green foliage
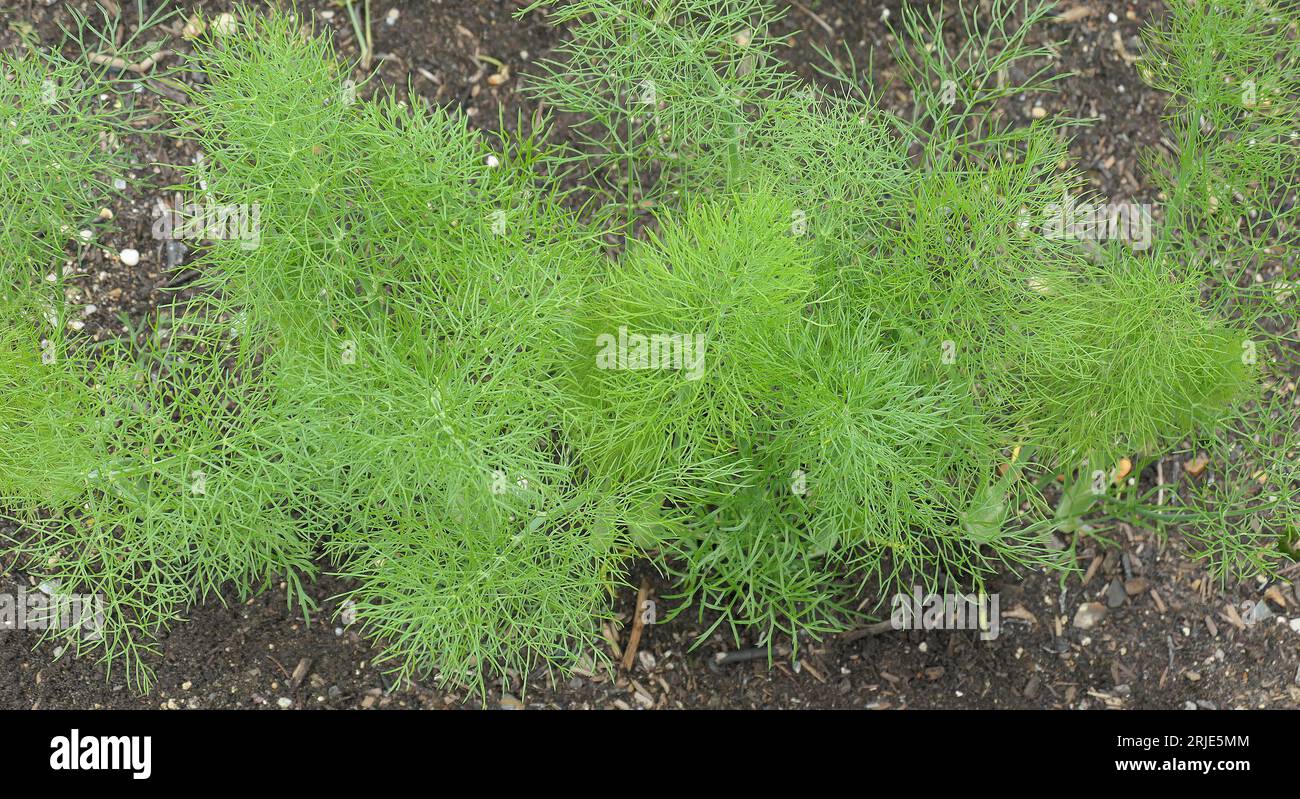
{"x": 159, "y": 503}
{"x": 675, "y": 355}
{"x": 989, "y": 329}
{"x": 405, "y": 304}
{"x": 54, "y": 165}
{"x": 1232, "y": 73}
{"x": 837, "y": 352}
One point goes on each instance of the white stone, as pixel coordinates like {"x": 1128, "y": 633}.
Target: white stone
{"x": 225, "y": 24}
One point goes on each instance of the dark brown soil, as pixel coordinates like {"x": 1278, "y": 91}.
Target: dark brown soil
{"x": 1170, "y": 641}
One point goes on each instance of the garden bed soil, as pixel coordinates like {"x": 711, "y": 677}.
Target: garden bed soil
{"x": 1171, "y": 636}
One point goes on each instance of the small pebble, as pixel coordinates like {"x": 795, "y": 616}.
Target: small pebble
{"x": 194, "y": 28}
{"x": 1111, "y": 16}
{"x": 1115, "y": 593}
{"x": 1197, "y": 465}
{"x": 493, "y": 161}
{"x": 284, "y": 702}
{"x": 1089, "y": 615}
{"x": 130, "y": 257}
{"x": 1031, "y": 688}
{"x": 225, "y": 24}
